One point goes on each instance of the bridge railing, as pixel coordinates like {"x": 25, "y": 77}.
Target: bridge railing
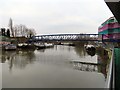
{"x": 67, "y": 37}
{"x": 72, "y": 37}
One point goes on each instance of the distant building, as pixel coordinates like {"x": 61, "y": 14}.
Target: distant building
{"x": 110, "y": 28}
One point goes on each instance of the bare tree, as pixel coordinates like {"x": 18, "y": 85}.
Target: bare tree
{"x": 31, "y": 32}
{"x": 22, "y": 30}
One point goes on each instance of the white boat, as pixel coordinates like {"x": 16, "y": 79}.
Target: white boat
{"x": 22, "y": 44}
{"x": 89, "y": 47}
{"x": 10, "y": 47}
{"x": 48, "y": 45}
{"x": 25, "y": 46}
{"x": 43, "y": 45}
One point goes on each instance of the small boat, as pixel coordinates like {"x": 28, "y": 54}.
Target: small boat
{"x": 40, "y": 45}
{"x": 10, "y": 47}
{"x": 25, "y": 46}
{"x": 43, "y": 45}
{"x": 90, "y": 47}
{"x": 22, "y": 45}
{"x": 48, "y": 45}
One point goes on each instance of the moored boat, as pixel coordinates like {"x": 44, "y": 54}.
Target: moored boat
{"x": 39, "y": 45}
{"x": 22, "y": 45}
{"x": 43, "y": 45}
{"x": 90, "y": 47}
{"x": 25, "y": 46}
{"x": 10, "y": 47}
{"x": 49, "y": 45}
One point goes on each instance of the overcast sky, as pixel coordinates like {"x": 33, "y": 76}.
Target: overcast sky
{"x": 55, "y": 16}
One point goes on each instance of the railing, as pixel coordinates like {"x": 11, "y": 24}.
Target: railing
{"x": 67, "y": 37}
{"x": 110, "y": 75}
{"x": 72, "y": 37}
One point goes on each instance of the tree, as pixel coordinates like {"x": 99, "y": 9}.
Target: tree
{"x": 3, "y": 31}
{"x": 31, "y": 32}
{"x": 8, "y": 33}
{"x": 22, "y": 30}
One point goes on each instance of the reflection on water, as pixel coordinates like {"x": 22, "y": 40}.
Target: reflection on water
{"x": 103, "y": 59}
{"x": 80, "y": 51}
{"x": 52, "y": 64}
{"x": 101, "y": 65}
{"x": 18, "y": 58}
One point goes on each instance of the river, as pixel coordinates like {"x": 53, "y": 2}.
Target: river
{"x": 52, "y": 68}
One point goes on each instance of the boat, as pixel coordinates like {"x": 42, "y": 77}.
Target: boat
{"x": 90, "y": 47}
{"x": 25, "y": 46}
{"x": 47, "y": 45}
{"x": 43, "y": 45}
{"x": 9, "y": 47}
{"x": 22, "y": 45}
{"x": 39, "y": 45}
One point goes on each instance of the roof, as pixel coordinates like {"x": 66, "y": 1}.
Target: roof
{"x": 110, "y": 20}
{"x": 114, "y": 6}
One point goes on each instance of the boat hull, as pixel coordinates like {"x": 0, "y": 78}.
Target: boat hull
{"x": 9, "y": 47}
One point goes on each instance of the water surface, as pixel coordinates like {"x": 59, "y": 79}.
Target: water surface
{"x": 52, "y": 68}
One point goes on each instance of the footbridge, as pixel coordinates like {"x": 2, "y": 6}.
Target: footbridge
{"x": 67, "y": 37}
{"x": 71, "y": 37}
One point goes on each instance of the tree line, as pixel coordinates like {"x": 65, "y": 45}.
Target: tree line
{"x": 23, "y": 31}
{"x": 18, "y": 31}
{"x": 4, "y": 32}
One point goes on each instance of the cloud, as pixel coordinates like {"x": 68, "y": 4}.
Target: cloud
{"x": 52, "y": 16}
{"x": 69, "y": 24}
